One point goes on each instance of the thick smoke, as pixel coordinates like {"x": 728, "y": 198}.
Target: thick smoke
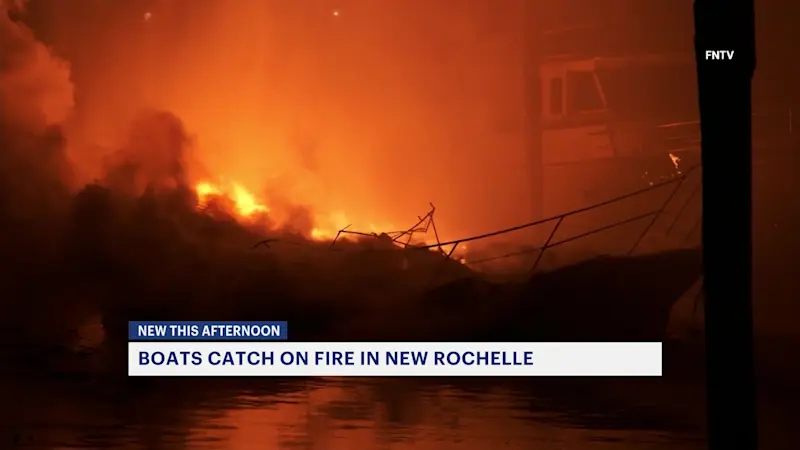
{"x": 132, "y": 243}
{"x": 367, "y": 116}
{"x": 36, "y": 88}
{"x": 36, "y": 96}
{"x": 101, "y": 161}
{"x": 99, "y": 194}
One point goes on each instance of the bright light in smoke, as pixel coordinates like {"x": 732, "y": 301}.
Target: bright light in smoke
{"x": 289, "y": 154}
{"x": 244, "y": 203}
{"x": 206, "y": 190}
{"x": 303, "y": 132}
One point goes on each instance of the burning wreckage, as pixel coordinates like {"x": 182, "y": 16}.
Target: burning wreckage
{"x": 592, "y": 297}
{"x": 356, "y": 285}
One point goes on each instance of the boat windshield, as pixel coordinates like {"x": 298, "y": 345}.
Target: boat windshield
{"x": 659, "y": 92}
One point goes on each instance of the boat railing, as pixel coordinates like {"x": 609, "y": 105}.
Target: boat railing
{"x": 678, "y": 214}
{"x": 660, "y": 217}
{"x": 674, "y": 220}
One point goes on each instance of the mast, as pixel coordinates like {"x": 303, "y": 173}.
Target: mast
{"x": 532, "y": 59}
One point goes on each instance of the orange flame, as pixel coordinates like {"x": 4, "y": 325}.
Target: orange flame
{"x": 675, "y": 160}
{"x": 245, "y": 205}
{"x": 244, "y": 202}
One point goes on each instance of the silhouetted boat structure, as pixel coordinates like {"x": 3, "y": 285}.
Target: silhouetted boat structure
{"x": 627, "y": 296}
{"x": 678, "y": 198}
{"x": 422, "y": 292}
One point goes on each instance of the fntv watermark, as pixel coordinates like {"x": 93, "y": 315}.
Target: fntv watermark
{"x": 719, "y": 55}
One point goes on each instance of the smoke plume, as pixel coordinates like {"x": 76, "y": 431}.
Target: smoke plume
{"x": 36, "y": 96}
{"x": 103, "y": 158}
{"x": 36, "y": 88}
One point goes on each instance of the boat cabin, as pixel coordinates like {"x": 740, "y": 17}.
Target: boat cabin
{"x": 613, "y": 125}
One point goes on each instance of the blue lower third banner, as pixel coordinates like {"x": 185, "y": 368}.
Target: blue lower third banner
{"x": 207, "y": 331}
{"x": 377, "y": 359}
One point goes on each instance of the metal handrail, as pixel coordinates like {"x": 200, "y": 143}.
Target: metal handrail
{"x": 559, "y": 219}
{"x": 678, "y": 181}
{"x": 425, "y": 222}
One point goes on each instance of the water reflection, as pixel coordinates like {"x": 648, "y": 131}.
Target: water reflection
{"x": 335, "y": 414}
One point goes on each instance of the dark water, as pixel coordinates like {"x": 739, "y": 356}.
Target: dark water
{"x": 58, "y": 407}
{"x": 343, "y": 414}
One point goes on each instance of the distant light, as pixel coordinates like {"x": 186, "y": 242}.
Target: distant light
{"x": 336, "y": 12}
{"x": 147, "y": 16}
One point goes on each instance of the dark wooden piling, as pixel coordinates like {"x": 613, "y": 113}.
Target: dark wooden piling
{"x": 725, "y": 114}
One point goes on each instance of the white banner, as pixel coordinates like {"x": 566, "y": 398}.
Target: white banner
{"x": 402, "y": 359}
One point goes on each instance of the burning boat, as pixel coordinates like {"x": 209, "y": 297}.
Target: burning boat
{"x": 153, "y": 255}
